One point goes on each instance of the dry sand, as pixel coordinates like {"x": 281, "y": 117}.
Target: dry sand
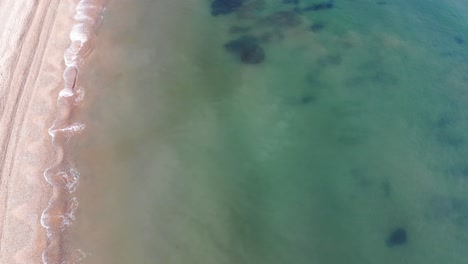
{"x": 34, "y": 36}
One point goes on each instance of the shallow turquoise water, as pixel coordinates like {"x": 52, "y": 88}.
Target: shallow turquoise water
{"x": 346, "y": 131}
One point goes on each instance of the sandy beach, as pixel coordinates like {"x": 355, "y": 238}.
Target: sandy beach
{"x": 34, "y": 36}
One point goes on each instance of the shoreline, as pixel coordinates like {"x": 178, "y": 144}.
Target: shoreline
{"x": 35, "y": 37}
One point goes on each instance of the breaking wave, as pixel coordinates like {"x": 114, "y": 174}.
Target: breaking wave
{"x": 62, "y": 175}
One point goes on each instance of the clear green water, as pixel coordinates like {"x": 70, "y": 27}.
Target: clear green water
{"x": 340, "y": 136}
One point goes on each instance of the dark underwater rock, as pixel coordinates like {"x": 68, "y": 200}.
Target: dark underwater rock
{"x": 458, "y": 171}
{"x": 316, "y": 27}
{"x": 449, "y": 139}
{"x": 222, "y": 7}
{"x": 241, "y": 43}
{"x": 444, "y": 122}
{"x": 445, "y": 133}
{"x": 448, "y": 208}
{"x": 307, "y": 99}
{"x": 293, "y": 2}
{"x": 254, "y": 55}
{"x": 386, "y": 188}
{"x": 459, "y": 40}
{"x": 385, "y": 78}
{"x": 247, "y": 48}
{"x": 319, "y": 6}
{"x": 397, "y": 237}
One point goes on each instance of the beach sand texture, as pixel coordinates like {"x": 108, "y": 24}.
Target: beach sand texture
{"x": 34, "y": 36}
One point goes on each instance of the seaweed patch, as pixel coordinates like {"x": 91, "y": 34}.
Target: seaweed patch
{"x": 445, "y": 133}
{"x": 458, "y": 171}
{"x": 316, "y": 27}
{"x": 307, "y": 99}
{"x": 444, "y": 122}
{"x": 223, "y": 7}
{"x": 449, "y": 139}
{"x": 449, "y": 208}
{"x": 459, "y": 40}
{"x": 247, "y": 48}
{"x": 319, "y": 6}
{"x": 385, "y": 78}
{"x": 293, "y": 2}
{"x": 397, "y": 237}
{"x": 386, "y": 188}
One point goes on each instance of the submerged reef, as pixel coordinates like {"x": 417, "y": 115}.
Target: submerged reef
{"x": 449, "y": 139}
{"x": 262, "y": 26}
{"x": 316, "y": 27}
{"x": 446, "y": 132}
{"x": 222, "y": 7}
{"x": 397, "y": 237}
{"x": 448, "y": 208}
{"x": 307, "y": 99}
{"x": 319, "y": 6}
{"x": 459, "y": 40}
{"x": 247, "y": 48}
{"x": 294, "y": 2}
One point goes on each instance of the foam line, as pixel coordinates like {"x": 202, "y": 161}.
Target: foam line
{"x": 62, "y": 176}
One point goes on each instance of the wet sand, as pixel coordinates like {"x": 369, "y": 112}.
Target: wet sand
{"x": 34, "y": 36}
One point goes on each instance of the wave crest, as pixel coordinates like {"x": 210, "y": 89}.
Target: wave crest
{"x": 62, "y": 176}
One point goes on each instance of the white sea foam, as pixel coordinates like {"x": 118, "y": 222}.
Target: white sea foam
{"x": 69, "y": 215}
{"x": 62, "y": 176}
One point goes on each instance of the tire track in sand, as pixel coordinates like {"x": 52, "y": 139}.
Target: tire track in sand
{"x": 25, "y": 49}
